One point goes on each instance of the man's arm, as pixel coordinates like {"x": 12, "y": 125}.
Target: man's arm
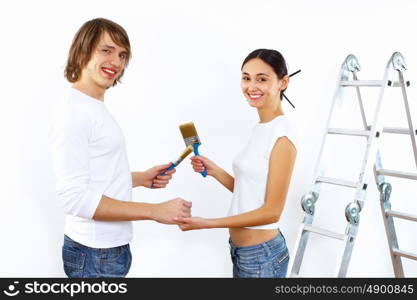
{"x": 69, "y": 139}
{"x": 114, "y": 210}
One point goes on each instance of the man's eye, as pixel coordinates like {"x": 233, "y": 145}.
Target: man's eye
{"x": 106, "y": 50}
{"x": 245, "y": 78}
{"x": 261, "y": 79}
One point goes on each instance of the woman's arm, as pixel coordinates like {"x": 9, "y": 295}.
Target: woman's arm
{"x": 225, "y": 179}
{"x": 281, "y": 165}
{"x": 201, "y": 162}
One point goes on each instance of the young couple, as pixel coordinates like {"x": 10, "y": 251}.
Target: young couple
{"x": 94, "y": 181}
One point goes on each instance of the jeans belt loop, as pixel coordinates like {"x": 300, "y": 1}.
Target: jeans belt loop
{"x": 267, "y": 249}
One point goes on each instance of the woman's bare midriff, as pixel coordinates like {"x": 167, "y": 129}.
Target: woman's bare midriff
{"x": 243, "y": 237}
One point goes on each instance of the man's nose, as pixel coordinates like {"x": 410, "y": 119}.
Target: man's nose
{"x": 116, "y": 61}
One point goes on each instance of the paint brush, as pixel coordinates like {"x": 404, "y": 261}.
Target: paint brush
{"x": 183, "y": 155}
{"x": 189, "y": 133}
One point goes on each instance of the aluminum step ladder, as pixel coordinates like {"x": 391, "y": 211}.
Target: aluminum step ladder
{"x": 385, "y": 188}
{"x": 347, "y": 78}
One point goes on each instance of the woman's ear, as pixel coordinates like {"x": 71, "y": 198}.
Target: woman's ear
{"x": 284, "y": 82}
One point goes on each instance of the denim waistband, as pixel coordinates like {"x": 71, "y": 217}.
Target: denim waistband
{"x": 267, "y": 246}
{"x": 68, "y": 240}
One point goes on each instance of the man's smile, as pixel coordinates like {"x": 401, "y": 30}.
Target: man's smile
{"x": 109, "y": 71}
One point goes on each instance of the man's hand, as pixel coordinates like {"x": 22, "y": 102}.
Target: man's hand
{"x": 166, "y": 212}
{"x": 150, "y": 178}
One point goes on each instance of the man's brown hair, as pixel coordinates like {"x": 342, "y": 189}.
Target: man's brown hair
{"x": 85, "y": 42}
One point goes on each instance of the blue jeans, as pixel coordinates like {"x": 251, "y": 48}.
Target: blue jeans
{"x": 86, "y": 262}
{"x": 269, "y": 259}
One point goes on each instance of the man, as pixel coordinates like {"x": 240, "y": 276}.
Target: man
{"x": 94, "y": 181}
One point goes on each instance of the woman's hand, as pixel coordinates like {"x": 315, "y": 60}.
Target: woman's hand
{"x": 192, "y": 223}
{"x": 151, "y": 178}
{"x": 200, "y": 163}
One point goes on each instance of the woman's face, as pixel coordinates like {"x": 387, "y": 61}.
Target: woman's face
{"x": 260, "y": 84}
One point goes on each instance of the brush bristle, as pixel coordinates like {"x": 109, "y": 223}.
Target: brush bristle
{"x": 188, "y": 130}
{"x": 186, "y": 152}
{"x": 189, "y": 133}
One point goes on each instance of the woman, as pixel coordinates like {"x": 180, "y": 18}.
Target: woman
{"x": 262, "y": 174}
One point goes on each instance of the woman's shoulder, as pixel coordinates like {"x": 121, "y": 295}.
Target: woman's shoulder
{"x": 285, "y": 126}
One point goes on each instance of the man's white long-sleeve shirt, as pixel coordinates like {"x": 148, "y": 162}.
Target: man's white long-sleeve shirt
{"x": 89, "y": 156}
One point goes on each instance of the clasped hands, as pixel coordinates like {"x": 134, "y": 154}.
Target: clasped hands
{"x": 175, "y": 211}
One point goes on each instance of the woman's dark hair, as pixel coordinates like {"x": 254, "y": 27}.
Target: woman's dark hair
{"x": 273, "y": 58}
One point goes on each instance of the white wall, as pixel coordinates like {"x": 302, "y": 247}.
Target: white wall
{"x": 186, "y": 67}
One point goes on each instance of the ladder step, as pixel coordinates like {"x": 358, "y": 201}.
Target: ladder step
{"x": 369, "y": 83}
{"x": 397, "y": 83}
{"x": 324, "y": 232}
{"x": 397, "y": 130}
{"x": 400, "y": 174}
{"x": 406, "y": 254}
{"x": 401, "y": 215}
{"x": 356, "y": 132}
{"x": 336, "y": 181}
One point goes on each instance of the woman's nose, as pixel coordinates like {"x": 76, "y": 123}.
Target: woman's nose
{"x": 252, "y": 86}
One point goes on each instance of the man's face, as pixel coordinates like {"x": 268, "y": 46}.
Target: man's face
{"x": 107, "y": 62}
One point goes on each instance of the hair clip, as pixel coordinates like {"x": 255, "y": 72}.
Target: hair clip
{"x": 295, "y": 73}
{"x": 286, "y": 98}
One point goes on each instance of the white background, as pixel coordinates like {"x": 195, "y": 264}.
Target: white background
{"x": 186, "y": 67}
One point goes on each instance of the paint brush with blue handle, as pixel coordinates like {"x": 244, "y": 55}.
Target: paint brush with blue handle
{"x": 189, "y": 133}
{"x": 184, "y": 154}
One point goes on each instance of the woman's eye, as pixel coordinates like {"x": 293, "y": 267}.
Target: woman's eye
{"x": 122, "y": 56}
{"x": 106, "y": 50}
{"x": 245, "y": 78}
{"x": 261, "y": 79}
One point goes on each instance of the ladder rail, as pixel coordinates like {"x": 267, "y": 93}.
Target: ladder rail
{"x": 351, "y": 232}
{"x": 385, "y": 206}
{"x": 358, "y": 93}
{"x": 376, "y": 126}
{"x": 392, "y": 241}
{"x": 407, "y": 109}
{"x": 302, "y": 240}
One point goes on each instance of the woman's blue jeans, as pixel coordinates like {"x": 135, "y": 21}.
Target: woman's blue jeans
{"x": 269, "y": 259}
